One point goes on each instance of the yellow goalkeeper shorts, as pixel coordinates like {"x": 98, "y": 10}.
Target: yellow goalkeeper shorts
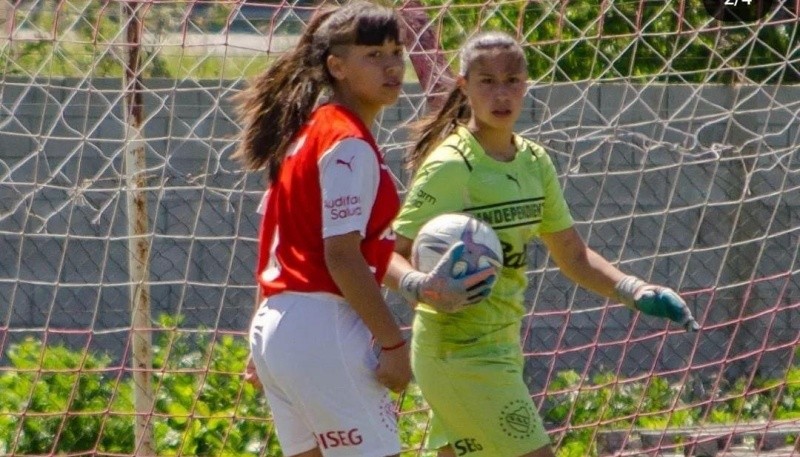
{"x": 479, "y": 402}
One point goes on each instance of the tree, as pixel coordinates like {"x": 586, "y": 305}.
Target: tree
{"x": 643, "y": 40}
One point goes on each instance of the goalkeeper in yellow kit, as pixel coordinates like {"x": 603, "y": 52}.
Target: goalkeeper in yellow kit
{"x": 468, "y": 361}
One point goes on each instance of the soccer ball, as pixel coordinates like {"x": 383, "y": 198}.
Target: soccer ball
{"x": 482, "y": 247}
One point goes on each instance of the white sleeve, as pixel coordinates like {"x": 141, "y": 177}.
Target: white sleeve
{"x": 349, "y": 175}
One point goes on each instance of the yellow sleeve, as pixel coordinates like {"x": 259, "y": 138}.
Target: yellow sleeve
{"x": 439, "y": 186}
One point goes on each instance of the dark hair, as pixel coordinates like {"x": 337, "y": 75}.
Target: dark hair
{"x": 435, "y": 127}
{"x": 279, "y": 101}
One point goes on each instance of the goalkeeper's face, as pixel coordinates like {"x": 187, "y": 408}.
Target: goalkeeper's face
{"x": 495, "y": 85}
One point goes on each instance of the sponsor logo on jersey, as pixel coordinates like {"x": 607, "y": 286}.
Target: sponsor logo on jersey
{"x": 467, "y": 446}
{"x": 339, "y": 438}
{"x": 343, "y": 207}
{"x": 511, "y": 214}
{"x": 513, "y": 259}
{"x": 421, "y": 198}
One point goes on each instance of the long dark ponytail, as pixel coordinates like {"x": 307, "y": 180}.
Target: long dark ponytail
{"x": 433, "y": 128}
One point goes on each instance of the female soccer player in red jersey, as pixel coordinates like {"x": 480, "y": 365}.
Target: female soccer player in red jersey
{"x": 326, "y": 240}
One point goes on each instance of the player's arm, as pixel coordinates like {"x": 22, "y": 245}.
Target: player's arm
{"x": 349, "y": 173}
{"x": 355, "y": 280}
{"x": 590, "y": 270}
{"x": 446, "y": 293}
{"x": 352, "y": 275}
{"x": 580, "y": 263}
{"x": 399, "y": 264}
{"x": 437, "y": 189}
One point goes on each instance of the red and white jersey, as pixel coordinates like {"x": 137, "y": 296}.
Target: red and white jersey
{"x": 332, "y": 181}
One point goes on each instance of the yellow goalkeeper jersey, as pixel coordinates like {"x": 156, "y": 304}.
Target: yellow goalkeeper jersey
{"x": 520, "y": 199}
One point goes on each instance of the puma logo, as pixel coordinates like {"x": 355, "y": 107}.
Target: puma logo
{"x": 513, "y": 179}
{"x": 346, "y": 163}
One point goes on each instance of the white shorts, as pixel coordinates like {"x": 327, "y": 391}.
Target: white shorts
{"x": 314, "y": 357}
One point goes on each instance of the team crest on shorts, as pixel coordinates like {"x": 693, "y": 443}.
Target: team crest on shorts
{"x": 517, "y": 419}
{"x": 388, "y": 414}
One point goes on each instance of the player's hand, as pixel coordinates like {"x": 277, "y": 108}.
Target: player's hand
{"x": 664, "y": 302}
{"x": 394, "y": 368}
{"x": 655, "y": 300}
{"x": 250, "y": 374}
{"x": 442, "y": 290}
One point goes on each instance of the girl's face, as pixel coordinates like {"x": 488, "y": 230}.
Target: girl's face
{"x": 371, "y": 75}
{"x": 495, "y": 85}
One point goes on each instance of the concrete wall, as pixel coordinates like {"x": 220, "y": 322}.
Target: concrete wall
{"x": 696, "y": 187}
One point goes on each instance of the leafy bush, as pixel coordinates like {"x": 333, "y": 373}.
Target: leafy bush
{"x": 580, "y": 408}
{"x": 57, "y": 400}
{"x": 207, "y": 408}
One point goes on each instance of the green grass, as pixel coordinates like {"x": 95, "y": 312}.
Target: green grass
{"x": 187, "y": 66}
{"x": 60, "y": 59}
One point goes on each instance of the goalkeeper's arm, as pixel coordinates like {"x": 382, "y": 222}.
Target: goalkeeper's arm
{"x": 590, "y": 270}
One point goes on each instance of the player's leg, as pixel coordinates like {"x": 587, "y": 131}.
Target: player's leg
{"x": 446, "y": 452}
{"x": 481, "y": 405}
{"x": 294, "y": 435}
{"x": 312, "y": 453}
{"x": 317, "y": 453}
{"x": 543, "y": 452}
{"x": 546, "y": 451}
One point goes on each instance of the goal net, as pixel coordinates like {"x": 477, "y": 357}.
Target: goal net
{"x": 128, "y": 235}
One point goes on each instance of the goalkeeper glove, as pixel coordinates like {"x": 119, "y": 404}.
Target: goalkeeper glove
{"x": 655, "y": 300}
{"x": 442, "y": 290}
